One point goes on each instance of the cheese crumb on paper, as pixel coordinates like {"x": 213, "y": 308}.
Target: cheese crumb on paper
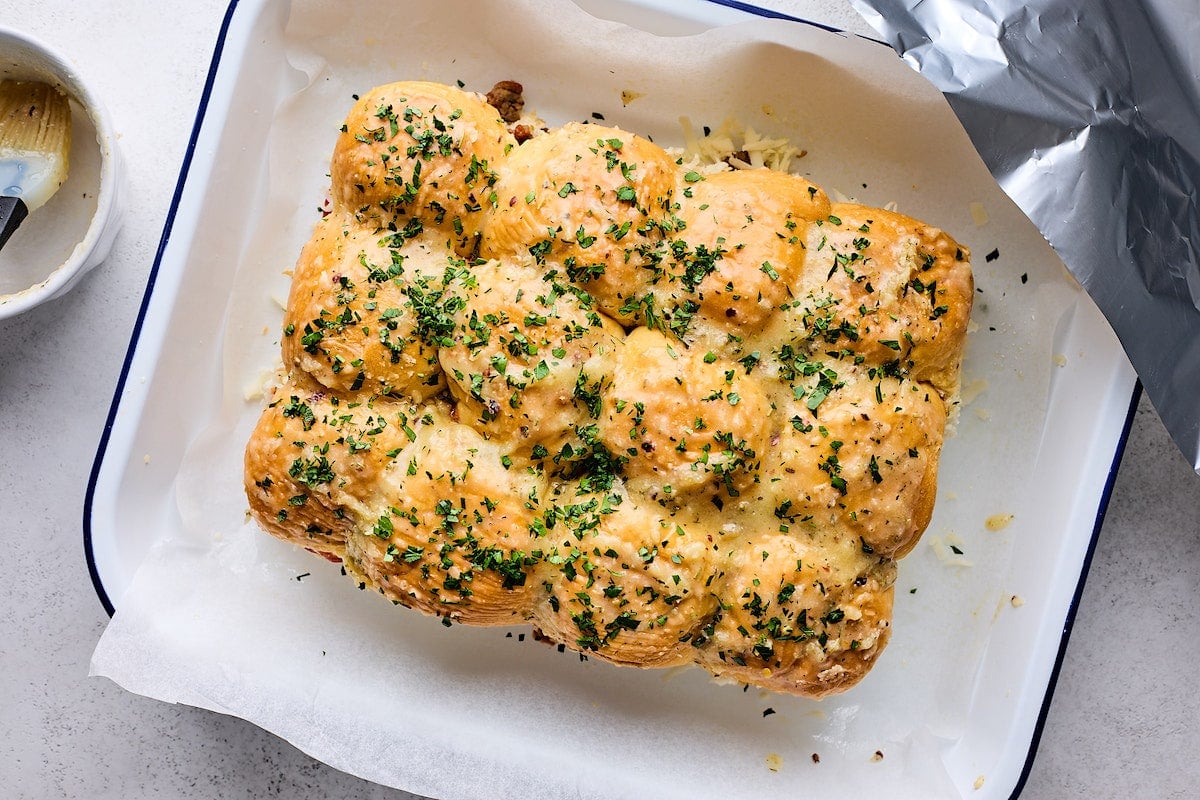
{"x": 949, "y": 550}
{"x": 979, "y": 214}
{"x": 998, "y": 522}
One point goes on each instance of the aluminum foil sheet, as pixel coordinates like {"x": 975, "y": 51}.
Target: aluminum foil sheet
{"x": 1087, "y": 112}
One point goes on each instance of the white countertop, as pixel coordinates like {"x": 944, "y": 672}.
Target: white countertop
{"x": 1121, "y": 724}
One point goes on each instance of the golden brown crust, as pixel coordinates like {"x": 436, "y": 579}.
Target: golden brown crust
{"x": 453, "y": 539}
{"x": 413, "y": 151}
{"x": 315, "y": 461}
{"x": 865, "y": 461}
{"x": 352, "y": 320}
{"x": 757, "y": 220}
{"x": 665, "y": 417}
{"x": 593, "y": 202}
{"x": 683, "y": 425}
{"x": 521, "y": 346}
{"x": 809, "y": 614}
{"x": 903, "y": 286}
{"x": 635, "y": 593}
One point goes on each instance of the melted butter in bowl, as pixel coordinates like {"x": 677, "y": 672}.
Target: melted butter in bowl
{"x": 73, "y": 232}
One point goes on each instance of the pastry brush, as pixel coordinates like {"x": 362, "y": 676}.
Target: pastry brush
{"x": 35, "y": 138}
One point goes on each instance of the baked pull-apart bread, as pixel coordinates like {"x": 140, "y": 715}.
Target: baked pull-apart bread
{"x": 667, "y": 413}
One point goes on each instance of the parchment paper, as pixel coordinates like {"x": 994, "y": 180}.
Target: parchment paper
{"x": 223, "y": 617}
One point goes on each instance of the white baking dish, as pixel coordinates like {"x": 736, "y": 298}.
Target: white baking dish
{"x": 177, "y": 378}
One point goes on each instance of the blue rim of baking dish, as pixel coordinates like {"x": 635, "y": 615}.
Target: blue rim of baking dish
{"x": 168, "y": 225}
{"x": 1084, "y": 568}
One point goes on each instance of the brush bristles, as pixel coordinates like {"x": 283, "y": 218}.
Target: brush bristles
{"x": 34, "y": 117}
{"x": 35, "y": 140}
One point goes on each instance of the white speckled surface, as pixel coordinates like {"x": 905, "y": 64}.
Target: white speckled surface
{"x": 1122, "y": 722}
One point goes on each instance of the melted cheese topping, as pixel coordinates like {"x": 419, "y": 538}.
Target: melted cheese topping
{"x": 667, "y": 417}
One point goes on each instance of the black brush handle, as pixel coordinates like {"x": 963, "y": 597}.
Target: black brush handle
{"x": 12, "y": 212}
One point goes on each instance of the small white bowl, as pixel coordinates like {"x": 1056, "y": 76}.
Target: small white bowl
{"x": 59, "y": 242}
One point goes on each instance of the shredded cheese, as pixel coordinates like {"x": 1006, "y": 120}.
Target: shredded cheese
{"x": 731, "y": 140}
